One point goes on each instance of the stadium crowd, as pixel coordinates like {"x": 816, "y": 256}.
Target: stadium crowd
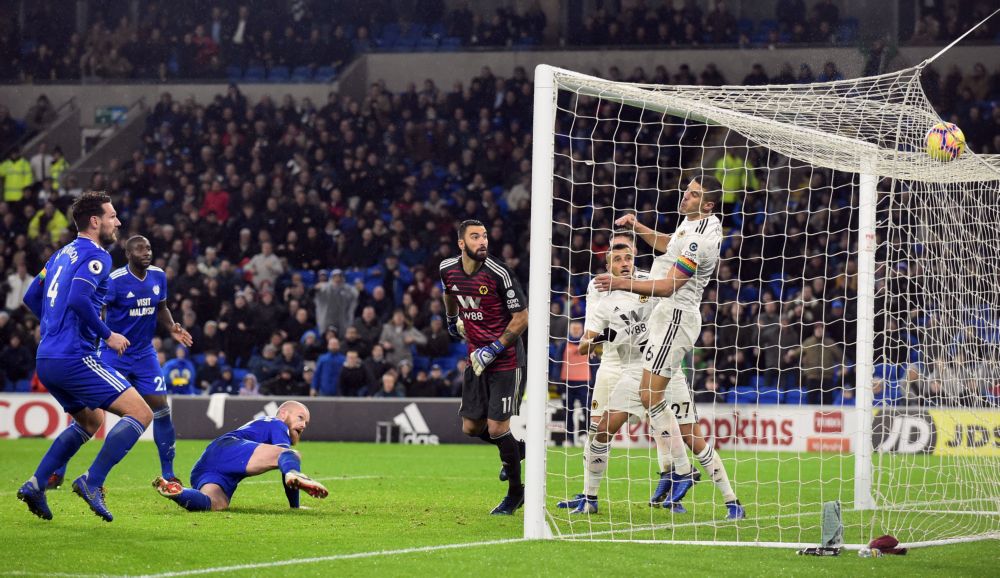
{"x": 301, "y": 240}
{"x": 312, "y": 40}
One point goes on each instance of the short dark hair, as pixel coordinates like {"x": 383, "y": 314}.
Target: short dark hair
{"x": 630, "y": 235}
{"x": 468, "y": 223}
{"x": 90, "y": 204}
{"x": 712, "y": 189}
{"x": 620, "y": 247}
{"x": 131, "y": 242}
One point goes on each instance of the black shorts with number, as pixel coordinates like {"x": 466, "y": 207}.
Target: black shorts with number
{"x": 495, "y": 395}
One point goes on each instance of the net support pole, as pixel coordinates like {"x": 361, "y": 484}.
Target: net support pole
{"x": 865, "y": 369}
{"x": 540, "y": 248}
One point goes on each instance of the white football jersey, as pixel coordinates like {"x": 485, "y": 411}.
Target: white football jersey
{"x": 609, "y": 358}
{"x": 625, "y": 315}
{"x": 694, "y": 246}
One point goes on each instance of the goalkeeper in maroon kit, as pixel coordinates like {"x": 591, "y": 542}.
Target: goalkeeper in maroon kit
{"x": 486, "y": 306}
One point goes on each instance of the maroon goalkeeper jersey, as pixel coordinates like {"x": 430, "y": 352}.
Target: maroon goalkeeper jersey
{"x": 486, "y": 300}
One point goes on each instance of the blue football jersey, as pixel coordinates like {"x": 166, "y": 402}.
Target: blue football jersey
{"x": 64, "y": 336}
{"x": 131, "y": 307}
{"x": 265, "y": 430}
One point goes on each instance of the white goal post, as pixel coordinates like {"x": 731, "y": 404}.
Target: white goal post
{"x": 913, "y": 240}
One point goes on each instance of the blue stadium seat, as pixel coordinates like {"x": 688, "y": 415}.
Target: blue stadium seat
{"x": 421, "y": 363}
{"x": 458, "y": 349}
{"x": 198, "y": 359}
{"x": 308, "y": 276}
{"x": 450, "y": 44}
{"x": 279, "y": 74}
{"x": 427, "y": 44}
{"x": 302, "y": 74}
{"x": 239, "y": 374}
{"x": 795, "y": 397}
{"x": 743, "y": 395}
{"x": 22, "y": 386}
{"x": 325, "y": 74}
{"x": 234, "y": 73}
{"x": 352, "y": 275}
{"x": 254, "y": 74}
{"x": 769, "y": 394}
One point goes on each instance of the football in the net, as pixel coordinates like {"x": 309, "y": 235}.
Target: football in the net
{"x": 945, "y": 142}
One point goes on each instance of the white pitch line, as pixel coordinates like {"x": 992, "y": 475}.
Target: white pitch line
{"x": 332, "y": 558}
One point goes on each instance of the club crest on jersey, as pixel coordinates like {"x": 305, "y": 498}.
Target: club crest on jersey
{"x": 156, "y": 289}
{"x": 95, "y": 267}
{"x": 483, "y": 290}
{"x": 643, "y": 298}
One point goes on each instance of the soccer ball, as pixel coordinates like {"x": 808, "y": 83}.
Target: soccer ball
{"x": 945, "y": 142}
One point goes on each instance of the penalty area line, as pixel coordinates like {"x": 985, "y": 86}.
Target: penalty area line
{"x": 332, "y": 558}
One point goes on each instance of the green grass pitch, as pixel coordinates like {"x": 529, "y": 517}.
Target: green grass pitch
{"x": 387, "y": 498}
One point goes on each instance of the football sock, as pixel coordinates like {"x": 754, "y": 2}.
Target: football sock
{"x": 62, "y": 449}
{"x": 664, "y": 421}
{"x": 712, "y": 463}
{"x": 194, "y": 501}
{"x": 662, "y": 449}
{"x": 597, "y": 465}
{"x": 164, "y": 437}
{"x": 591, "y": 435}
{"x": 510, "y": 456}
{"x": 485, "y": 436}
{"x": 117, "y": 444}
{"x": 288, "y": 460}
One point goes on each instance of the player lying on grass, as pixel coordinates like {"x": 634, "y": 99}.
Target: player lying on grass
{"x": 259, "y": 446}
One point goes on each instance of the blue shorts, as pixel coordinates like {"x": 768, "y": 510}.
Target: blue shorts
{"x": 81, "y": 383}
{"x": 224, "y": 463}
{"x": 143, "y": 372}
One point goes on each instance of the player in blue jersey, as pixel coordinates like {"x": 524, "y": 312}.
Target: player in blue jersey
{"x": 136, "y": 300}
{"x": 67, "y": 297}
{"x": 259, "y": 446}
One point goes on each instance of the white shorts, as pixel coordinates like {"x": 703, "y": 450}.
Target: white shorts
{"x": 607, "y": 378}
{"x": 672, "y": 335}
{"x": 625, "y": 397}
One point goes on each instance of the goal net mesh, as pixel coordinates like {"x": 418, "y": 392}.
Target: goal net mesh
{"x": 774, "y": 375}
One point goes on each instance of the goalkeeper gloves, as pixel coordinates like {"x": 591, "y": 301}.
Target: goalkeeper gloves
{"x": 484, "y": 356}
{"x": 455, "y": 327}
{"x": 608, "y": 335}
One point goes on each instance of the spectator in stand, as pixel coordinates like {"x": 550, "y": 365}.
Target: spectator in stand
{"x": 225, "y": 383}
{"x": 17, "y": 285}
{"x": 820, "y": 358}
{"x": 285, "y": 384}
{"x": 376, "y": 365}
{"x": 180, "y": 373}
{"x": 265, "y": 267}
{"x": 437, "y": 341}
{"x": 398, "y": 336}
{"x": 209, "y": 371}
{"x": 353, "y": 377}
{"x": 328, "y": 368}
{"x": 336, "y": 302}
{"x": 40, "y": 115}
{"x": 368, "y": 326}
{"x": 249, "y": 387}
{"x": 17, "y": 363}
{"x": 16, "y": 173}
{"x": 265, "y": 365}
{"x": 388, "y": 387}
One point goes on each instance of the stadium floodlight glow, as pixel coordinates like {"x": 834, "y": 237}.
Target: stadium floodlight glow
{"x": 841, "y": 217}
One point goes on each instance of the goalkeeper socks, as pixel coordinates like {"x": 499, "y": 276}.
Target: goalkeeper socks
{"x": 664, "y": 421}
{"x": 485, "y": 436}
{"x": 662, "y": 449}
{"x": 164, "y": 437}
{"x": 289, "y": 461}
{"x": 117, "y": 444}
{"x": 510, "y": 456}
{"x": 712, "y": 463}
{"x": 62, "y": 449}
{"x": 194, "y": 501}
{"x": 597, "y": 465}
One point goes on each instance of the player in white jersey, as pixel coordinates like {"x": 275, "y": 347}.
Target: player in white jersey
{"x": 679, "y": 277}
{"x": 598, "y": 325}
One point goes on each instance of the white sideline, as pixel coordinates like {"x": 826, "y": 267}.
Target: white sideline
{"x": 331, "y": 558}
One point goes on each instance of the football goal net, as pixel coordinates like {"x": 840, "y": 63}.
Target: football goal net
{"x": 849, "y": 346}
